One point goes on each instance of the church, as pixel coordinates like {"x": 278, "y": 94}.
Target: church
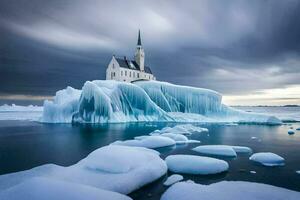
{"x": 126, "y": 70}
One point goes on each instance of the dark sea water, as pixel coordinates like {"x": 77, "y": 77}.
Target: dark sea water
{"x": 25, "y": 144}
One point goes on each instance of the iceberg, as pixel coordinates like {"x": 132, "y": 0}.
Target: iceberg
{"x": 268, "y": 159}
{"x": 173, "y": 179}
{"x": 17, "y": 112}
{"x": 190, "y": 164}
{"x": 226, "y": 190}
{"x": 50, "y": 189}
{"x": 107, "y": 101}
{"x": 114, "y": 168}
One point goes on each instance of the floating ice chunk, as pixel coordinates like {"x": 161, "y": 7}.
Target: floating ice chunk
{"x": 291, "y": 131}
{"x": 298, "y": 171}
{"x": 227, "y": 190}
{"x": 193, "y": 141}
{"x": 115, "y": 168}
{"x": 148, "y": 142}
{"x": 268, "y": 159}
{"x": 222, "y": 150}
{"x": 50, "y": 189}
{"x": 253, "y": 172}
{"x": 177, "y": 137}
{"x": 242, "y": 149}
{"x": 173, "y": 179}
{"x": 231, "y": 124}
{"x": 189, "y": 164}
{"x": 182, "y": 129}
{"x": 218, "y": 150}
{"x": 253, "y": 138}
{"x": 298, "y": 129}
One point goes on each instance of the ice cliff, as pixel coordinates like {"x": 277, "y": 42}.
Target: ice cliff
{"x": 111, "y": 102}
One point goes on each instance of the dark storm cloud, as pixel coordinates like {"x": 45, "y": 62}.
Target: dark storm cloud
{"x": 230, "y": 46}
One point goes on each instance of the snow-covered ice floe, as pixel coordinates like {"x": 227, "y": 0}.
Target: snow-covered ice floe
{"x": 112, "y": 102}
{"x": 173, "y": 179}
{"x": 291, "y": 131}
{"x": 190, "y": 164}
{"x": 51, "y": 189}
{"x": 151, "y": 142}
{"x": 183, "y": 129}
{"x": 222, "y": 150}
{"x": 228, "y": 190}
{"x": 114, "y": 168}
{"x": 268, "y": 159}
{"x": 16, "y": 112}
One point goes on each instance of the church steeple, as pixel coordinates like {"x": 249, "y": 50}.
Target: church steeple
{"x": 139, "y": 43}
{"x": 139, "y": 53}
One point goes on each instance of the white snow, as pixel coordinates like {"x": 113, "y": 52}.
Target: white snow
{"x": 177, "y": 137}
{"x": 51, "y": 189}
{"x": 173, "y": 179}
{"x": 268, "y": 159}
{"x": 148, "y": 142}
{"x": 228, "y": 190}
{"x": 115, "y": 168}
{"x": 222, "y": 150}
{"x": 111, "y": 101}
{"x": 190, "y": 164}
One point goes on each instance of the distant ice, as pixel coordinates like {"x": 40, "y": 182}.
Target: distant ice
{"x": 222, "y": 150}
{"x": 183, "y": 129}
{"x": 253, "y": 172}
{"x": 228, "y": 190}
{"x": 173, "y": 179}
{"x": 291, "y": 131}
{"x": 298, "y": 129}
{"x": 190, "y": 164}
{"x": 115, "y": 168}
{"x": 51, "y": 189}
{"x": 268, "y": 159}
{"x": 298, "y": 171}
{"x": 16, "y": 112}
{"x": 148, "y": 142}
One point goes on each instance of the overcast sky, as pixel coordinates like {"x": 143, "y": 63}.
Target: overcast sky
{"x": 247, "y": 50}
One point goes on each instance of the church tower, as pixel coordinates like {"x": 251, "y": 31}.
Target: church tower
{"x": 139, "y": 53}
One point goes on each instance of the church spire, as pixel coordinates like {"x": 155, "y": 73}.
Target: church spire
{"x": 139, "y": 43}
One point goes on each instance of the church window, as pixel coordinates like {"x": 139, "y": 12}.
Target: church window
{"x": 138, "y": 75}
{"x": 125, "y": 73}
{"x": 121, "y": 73}
{"x": 129, "y": 74}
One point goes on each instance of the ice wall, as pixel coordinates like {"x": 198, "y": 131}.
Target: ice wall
{"x": 112, "y": 102}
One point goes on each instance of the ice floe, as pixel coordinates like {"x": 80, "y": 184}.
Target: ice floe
{"x": 291, "y": 131}
{"x": 227, "y": 190}
{"x": 115, "y": 168}
{"x": 190, "y": 164}
{"x": 222, "y": 150}
{"x": 151, "y": 142}
{"x": 268, "y": 159}
{"x": 173, "y": 179}
{"x": 51, "y": 189}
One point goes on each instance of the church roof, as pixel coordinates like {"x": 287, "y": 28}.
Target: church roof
{"x": 139, "y": 43}
{"x": 131, "y": 64}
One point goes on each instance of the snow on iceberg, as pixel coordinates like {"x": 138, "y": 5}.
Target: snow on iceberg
{"x": 222, "y": 150}
{"x": 50, "y": 189}
{"x": 110, "y": 102}
{"x": 268, "y": 159}
{"x": 115, "y": 168}
{"x": 189, "y": 164}
{"x": 151, "y": 142}
{"x": 173, "y": 179}
{"x": 226, "y": 190}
